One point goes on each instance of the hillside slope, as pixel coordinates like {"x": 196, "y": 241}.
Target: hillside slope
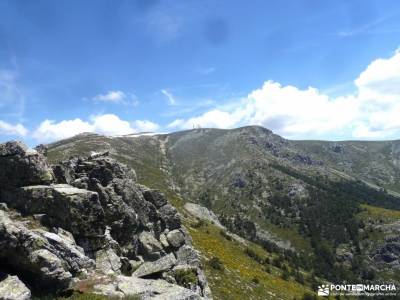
{"x": 312, "y": 205}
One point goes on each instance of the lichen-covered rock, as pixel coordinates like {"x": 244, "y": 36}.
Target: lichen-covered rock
{"x": 202, "y": 213}
{"x": 176, "y": 238}
{"x": 146, "y": 289}
{"x": 46, "y": 257}
{"x": 163, "y": 264}
{"x": 389, "y": 252}
{"x": 170, "y": 217}
{"x": 20, "y": 166}
{"x": 186, "y": 255}
{"x": 65, "y": 206}
{"x": 155, "y": 197}
{"x": 108, "y": 262}
{"x": 149, "y": 243}
{"x": 49, "y": 268}
{"x": 11, "y": 288}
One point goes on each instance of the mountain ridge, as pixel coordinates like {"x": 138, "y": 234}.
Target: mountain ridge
{"x": 265, "y": 188}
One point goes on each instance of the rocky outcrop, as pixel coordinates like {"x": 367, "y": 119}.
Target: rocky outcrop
{"x": 244, "y": 227}
{"x": 145, "y": 289}
{"x": 202, "y": 213}
{"x": 45, "y": 259}
{"x": 11, "y": 288}
{"x": 20, "y": 166}
{"x": 389, "y": 253}
{"x": 89, "y": 218}
{"x": 165, "y": 263}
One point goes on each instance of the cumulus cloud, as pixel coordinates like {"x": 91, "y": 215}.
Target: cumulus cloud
{"x": 110, "y": 124}
{"x": 12, "y": 129}
{"x": 213, "y": 119}
{"x": 111, "y": 96}
{"x": 145, "y": 126}
{"x": 107, "y": 124}
{"x": 50, "y": 130}
{"x": 372, "y": 111}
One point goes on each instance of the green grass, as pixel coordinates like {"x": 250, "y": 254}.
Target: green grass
{"x": 291, "y": 235}
{"x": 242, "y": 277}
{"x": 378, "y": 213}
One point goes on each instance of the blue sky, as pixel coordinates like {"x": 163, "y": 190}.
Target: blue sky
{"x": 305, "y": 69}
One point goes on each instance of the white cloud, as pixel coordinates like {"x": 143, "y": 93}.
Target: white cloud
{"x": 49, "y": 130}
{"x": 211, "y": 119}
{"x": 110, "y": 124}
{"x": 178, "y": 123}
{"x": 12, "y": 129}
{"x": 107, "y": 124}
{"x": 145, "y": 126}
{"x": 171, "y": 99}
{"x": 372, "y": 111}
{"x": 111, "y": 96}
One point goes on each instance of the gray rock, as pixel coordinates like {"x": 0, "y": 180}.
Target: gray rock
{"x": 176, "y": 238}
{"x": 149, "y": 243}
{"x": 51, "y": 268}
{"x": 47, "y": 256}
{"x": 202, "y": 213}
{"x": 130, "y": 265}
{"x": 163, "y": 264}
{"x": 65, "y": 206}
{"x": 13, "y": 148}
{"x": 170, "y": 217}
{"x": 389, "y": 252}
{"x": 11, "y": 288}
{"x": 155, "y": 197}
{"x": 187, "y": 255}
{"x": 108, "y": 262}
{"x": 146, "y": 289}
{"x": 163, "y": 240}
{"x": 65, "y": 248}
{"x": 109, "y": 290}
{"x": 20, "y": 166}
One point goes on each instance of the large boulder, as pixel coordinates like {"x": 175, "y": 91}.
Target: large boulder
{"x": 170, "y": 217}
{"x": 202, "y": 213}
{"x": 65, "y": 206}
{"x": 49, "y": 268}
{"x": 145, "y": 289}
{"x": 20, "y": 166}
{"x": 176, "y": 238}
{"x": 149, "y": 243}
{"x": 163, "y": 264}
{"x": 108, "y": 262}
{"x": 47, "y": 260}
{"x": 11, "y": 288}
{"x": 187, "y": 255}
{"x": 155, "y": 197}
{"x": 389, "y": 252}
{"x": 125, "y": 209}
